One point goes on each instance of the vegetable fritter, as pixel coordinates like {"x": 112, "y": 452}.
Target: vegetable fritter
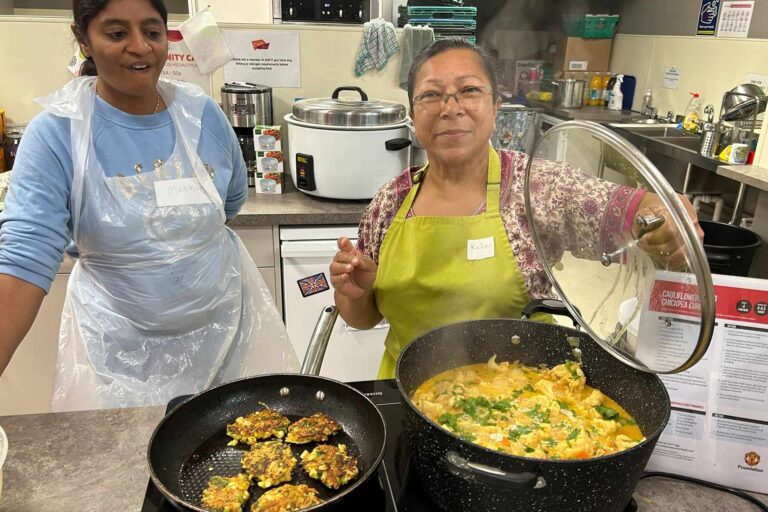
{"x": 256, "y": 426}
{"x": 315, "y": 428}
{"x": 330, "y": 464}
{"x": 270, "y": 463}
{"x": 287, "y": 498}
{"x": 226, "y": 494}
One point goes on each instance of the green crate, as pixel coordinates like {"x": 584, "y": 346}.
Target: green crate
{"x": 590, "y": 26}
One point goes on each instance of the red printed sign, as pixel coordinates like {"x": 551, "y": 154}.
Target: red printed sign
{"x": 675, "y": 298}
{"x": 741, "y": 304}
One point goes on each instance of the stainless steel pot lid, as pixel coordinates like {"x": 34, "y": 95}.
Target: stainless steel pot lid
{"x": 652, "y": 311}
{"x": 245, "y": 88}
{"x": 335, "y": 111}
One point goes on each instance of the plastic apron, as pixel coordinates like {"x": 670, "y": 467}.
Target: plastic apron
{"x": 434, "y": 271}
{"x": 164, "y": 300}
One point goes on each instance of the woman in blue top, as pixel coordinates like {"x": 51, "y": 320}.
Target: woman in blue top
{"x": 141, "y": 175}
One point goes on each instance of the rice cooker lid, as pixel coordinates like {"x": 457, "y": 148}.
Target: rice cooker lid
{"x": 335, "y": 111}
{"x": 245, "y": 88}
{"x": 651, "y": 311}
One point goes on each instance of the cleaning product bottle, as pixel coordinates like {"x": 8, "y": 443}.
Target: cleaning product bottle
{"x": 606, "y": 87}
{"x": 616, "y": 97}
{"x": 692, "y": 114}
{"x": 595, "y": 86}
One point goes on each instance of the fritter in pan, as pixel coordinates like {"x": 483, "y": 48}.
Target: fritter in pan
{"x": 287, "y": 498}
{"x": 256, "y": 426}
{"x": 330, "y": 464}
{"x": 226, "y": 494}
{"x": 315, "y": 428}
{"x": 269, "y": 463}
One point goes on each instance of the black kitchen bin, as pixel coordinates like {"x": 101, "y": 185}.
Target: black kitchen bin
{"x": 729, "y": 248}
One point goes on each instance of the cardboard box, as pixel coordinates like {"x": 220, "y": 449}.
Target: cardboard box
{"x": 269, "y": 177}
{"x": 267, "y": 138}
{"x": 577, "y": 54}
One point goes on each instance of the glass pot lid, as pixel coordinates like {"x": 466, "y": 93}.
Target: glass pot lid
{"x": 619, "y": 247}
{"x": 335, "y": 111}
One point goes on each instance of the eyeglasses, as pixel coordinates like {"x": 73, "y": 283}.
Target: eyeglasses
{"x": 469, "y": 98}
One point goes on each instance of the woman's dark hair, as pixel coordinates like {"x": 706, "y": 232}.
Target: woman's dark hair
{"x": 85, "y": 10}
{"x": 454, "y": 43}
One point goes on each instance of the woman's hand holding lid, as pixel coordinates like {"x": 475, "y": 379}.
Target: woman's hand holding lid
{"x": 665, "y": 245}
{"x": 352, "y": 272}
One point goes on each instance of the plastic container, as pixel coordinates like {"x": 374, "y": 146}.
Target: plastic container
{"x": 590, "y": 26}
{"x": 729, "y": 249}
{"x": 607, "y": 85}
{"x": 692, "y": 114}
{"x": 596, "y": 90}
{"x": 615, "y": 98}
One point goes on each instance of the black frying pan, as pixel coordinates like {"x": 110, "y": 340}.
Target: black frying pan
{"x": 190, "y": 443}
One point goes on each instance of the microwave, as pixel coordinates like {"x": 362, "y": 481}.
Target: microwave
{"x": 325, "y": 11}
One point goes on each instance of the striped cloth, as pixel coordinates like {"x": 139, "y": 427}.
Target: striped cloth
{"x": 379, "y": 43}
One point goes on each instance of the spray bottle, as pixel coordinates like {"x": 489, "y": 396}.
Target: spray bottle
{"x": 615, "y": 97}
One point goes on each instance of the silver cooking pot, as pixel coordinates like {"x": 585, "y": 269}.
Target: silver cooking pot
{"x": 568, "y": 92}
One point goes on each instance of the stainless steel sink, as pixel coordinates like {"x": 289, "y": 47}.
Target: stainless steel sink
{"x": 687, "y": 142}
{"x": 656, "y": 131}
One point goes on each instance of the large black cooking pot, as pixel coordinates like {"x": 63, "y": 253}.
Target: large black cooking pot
{"x": 461, "y": 476}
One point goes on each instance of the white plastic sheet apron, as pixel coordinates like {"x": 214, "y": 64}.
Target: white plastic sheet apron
{"x": 163, "y": 301}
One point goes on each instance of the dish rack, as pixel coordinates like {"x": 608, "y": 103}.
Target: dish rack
{"x": 744, "y": 119}
{"x": 516, "y": 127}
{"x": 445, "y": 21}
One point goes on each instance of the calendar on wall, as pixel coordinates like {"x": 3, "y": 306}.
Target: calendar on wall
{"x": 735, "y": 18}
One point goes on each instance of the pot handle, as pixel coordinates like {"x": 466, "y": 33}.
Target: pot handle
{"x": 336, "y": 92}
{"x": 551, "y": 306}
{"x": 488, "y": 475}
{"x": 318, "y": 344}
{"x": 397, "y": 144}
{"x": 718, "y": 259}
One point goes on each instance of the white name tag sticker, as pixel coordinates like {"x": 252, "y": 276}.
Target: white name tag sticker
{"x": 180, "y": 192}
{"x": 480, "y": 249}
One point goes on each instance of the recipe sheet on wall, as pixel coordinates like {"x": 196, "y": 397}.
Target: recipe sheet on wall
{"x": 718, "y": 428}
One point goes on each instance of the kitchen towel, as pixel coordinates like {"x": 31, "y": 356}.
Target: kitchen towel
{"x": 415, "y": 39}
{"x": 379, "y": 43}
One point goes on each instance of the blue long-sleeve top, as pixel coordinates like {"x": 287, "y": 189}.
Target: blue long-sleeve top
{"x": 36, "y": 225}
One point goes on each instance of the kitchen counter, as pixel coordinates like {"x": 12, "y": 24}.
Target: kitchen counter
{"x": 95, "y": 461}
{"x": 294, "y": 207}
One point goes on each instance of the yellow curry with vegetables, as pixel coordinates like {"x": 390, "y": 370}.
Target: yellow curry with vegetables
{"x": 526, "y": 411}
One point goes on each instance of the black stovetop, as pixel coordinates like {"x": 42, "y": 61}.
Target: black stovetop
{"x": 394, "y": 489}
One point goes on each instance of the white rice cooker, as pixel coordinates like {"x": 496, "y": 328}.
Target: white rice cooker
{"x": 346, "y": 149}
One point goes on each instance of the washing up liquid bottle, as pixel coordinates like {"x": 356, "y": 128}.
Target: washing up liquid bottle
{"x": 616, "y": 97}
{"x": 692, "y": 114}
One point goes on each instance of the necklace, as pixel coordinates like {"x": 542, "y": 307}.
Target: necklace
{"x": 157, "y": 104}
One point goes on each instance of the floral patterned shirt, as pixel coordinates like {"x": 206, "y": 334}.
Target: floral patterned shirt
{"x": 586, "y": 227}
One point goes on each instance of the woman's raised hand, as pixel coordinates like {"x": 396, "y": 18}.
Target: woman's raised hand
{"x": 352, "y": 272}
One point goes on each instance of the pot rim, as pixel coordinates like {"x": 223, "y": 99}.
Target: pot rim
{"x": 291, "y": 120}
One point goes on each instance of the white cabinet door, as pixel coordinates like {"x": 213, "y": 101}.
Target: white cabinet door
{"x": 238, "y": 11}
{"x": 27, "y": 383}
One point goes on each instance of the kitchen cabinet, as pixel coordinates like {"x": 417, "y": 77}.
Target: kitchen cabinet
{"x": 261, "y": 245}
{"x": 27, "y": 383}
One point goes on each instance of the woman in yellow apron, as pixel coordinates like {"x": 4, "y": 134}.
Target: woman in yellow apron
{"x": 449, "y": 242}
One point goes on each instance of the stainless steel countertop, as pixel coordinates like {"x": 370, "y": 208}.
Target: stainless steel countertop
{"x": 95, "y": 461}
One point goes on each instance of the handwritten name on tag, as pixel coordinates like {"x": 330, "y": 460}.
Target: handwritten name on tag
{"x": 180, "y": 192}
{"x": 480, "y": 249}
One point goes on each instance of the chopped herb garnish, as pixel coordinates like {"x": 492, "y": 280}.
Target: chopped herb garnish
{"x": 571, "y": 367}
{"x": 527, "y": 387}
{"x": 573, "y": 435}
{"x": 467, "y": 436}
{"x": 537, "y": 415}
{"x": 607, "y": 413}
{"x": 502, "y": 405}
{"x": 564, "y": 405}
{"x": 449, "y": 420}
{"x": 519, "y": 430}
{"x": 529, "y": 450}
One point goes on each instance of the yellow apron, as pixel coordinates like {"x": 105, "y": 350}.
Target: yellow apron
{"x": 429, "y": 276}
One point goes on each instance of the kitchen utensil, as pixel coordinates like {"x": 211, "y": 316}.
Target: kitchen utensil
{"x": 647, "y": 224}
{"x": 459, "y": 475}
{"x": 247, "y": 105}
{"x": 269, "y": 164}
{"x": 346, "y": 148}
{"x": 740, "y": 102}
{"x": 189, "y": 445}
{"x": 267, "y": 142}
{"x": 268, "y": 185}
{"x": 568, "y": 92}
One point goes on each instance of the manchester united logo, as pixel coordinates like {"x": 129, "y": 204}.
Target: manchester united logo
{"x": 752, "y": 458}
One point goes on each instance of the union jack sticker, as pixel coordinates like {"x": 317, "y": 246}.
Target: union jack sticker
{"x": 313, "y": 284}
